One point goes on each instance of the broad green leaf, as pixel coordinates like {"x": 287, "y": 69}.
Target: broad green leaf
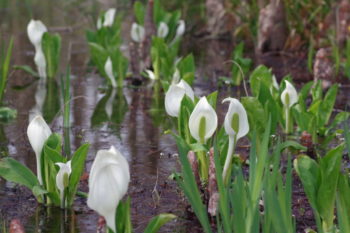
{"x": 187, "y": 69}
{"x": 256, "y": 114}
{"x": 99, "y": 57}
{"x": 343, "y": 204}
{"x": 261, "y": 74}
{"x": 329, "y": 167}
{"x": 38, "y": 191}
{"x": 78, "y": 162}
{"x": 139, "y": 11}
{"x": 309, "y": 172}
{"x": 123, "y": 218}
{"x": 326, "y": 108}
{"x": 16, "y": 172}
{"x": 157, "y": 222}
{"x": 52, "y": 49}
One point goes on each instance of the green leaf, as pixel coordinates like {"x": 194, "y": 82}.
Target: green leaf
{"x": 78, "y": 162}
{"x": 187, "y": 69}
{"x": 99, "y": 57}
{"x": 38, "y": 191}
{"x": 16, "y": 172}
{"x": 212, "y": 99}
{"x": 261, "y": 74}
{"x": 293, "y": 144}
{"x": 309, "y": 173}
{"x": 52, "y": 49}
{"x": 7, "y": 114}
{"x": 330, "y": 167}
{"x": 28, "y": 70}
{"x": 254, "y": 109}
{"x": 327, "y": 105}
{"x": 343, "y": 203}
{"x": 122, "y": 217}
{"x": 196, "y": 147}
{"x": 4, "y": 68}
{"x": 139, "y": 11}
{"x": 157, "y": 222}
{"x": 189, "y": 186}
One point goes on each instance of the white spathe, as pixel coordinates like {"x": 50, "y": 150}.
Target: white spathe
{"x": 65, "y": 170}
{"x": 203, "y": 109}
{"x": 176, "y": 76}
{"x": 292, "y": 93}
{"x": 40, "y": 62}
{"x": 275, "y": 83}
{"x": 109, "y": 17}
{"x": 180, "y": 30}
{"x": 35, "y": 31}
{"x": 109, "y": 104}
{"x": 109, "y": 72}
{"x": 137, "y": 32}
{"x": 108, "y": 183}
{"x": 163, "y": 30}
{"x": 38, "y": 132}
{"x": 236, "y": 107}
{"x": 151, "y": 74}
{"x": 174, "y": 96}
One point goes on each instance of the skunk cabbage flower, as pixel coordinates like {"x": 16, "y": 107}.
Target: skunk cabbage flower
{"x": 203, "y": 121}
{"x": 151, "y": 74}
{"x": 289, "y": 96}
{"x": 236, "y": 120}
{"x": 109, "y": 72}
{"x": 236, "y": 126}
{"x": 274, "y": 82}
{"x": 137, "y": 32}
{"x": 99, "y": 23}
{"x": 163, "y": 30}
{"x": 108, "y": 183}
{"x": 180, "y": 30}
{"x": 38, "y": 132}
{"x": 36, "y": 30}
{"x": 176, "y": 76}
{"x": 174, "y": 96}
{"x": 109, "y": 17}
{"x": 62, "y": 178}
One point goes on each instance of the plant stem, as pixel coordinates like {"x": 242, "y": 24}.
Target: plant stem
{"x": 228, "y": 161}
{"x": 288, "y": 125}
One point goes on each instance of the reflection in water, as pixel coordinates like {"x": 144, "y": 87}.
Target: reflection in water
{"x": 157, "y": 110}
{"x": 53, "y": 220}
{"x": 52, "y": 101}
{"x": 135, "y": 132}
{"x": 40, "y": 95}
{"x": 4, "y": 151}
{"x": 111, "y": 108}
{"x": 47, "y": 102}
